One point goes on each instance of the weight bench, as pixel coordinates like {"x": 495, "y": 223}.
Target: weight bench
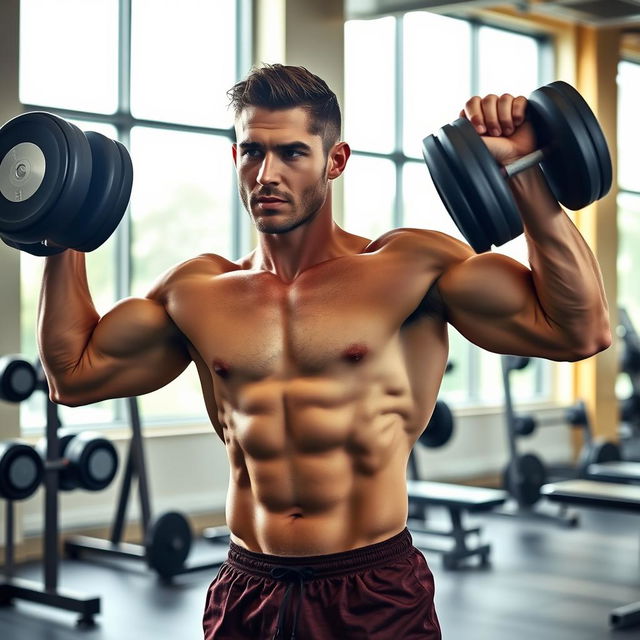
{"x": 601, "y": 495}
{"x": 457, "y": 499}
{"x": 615, "y": 471}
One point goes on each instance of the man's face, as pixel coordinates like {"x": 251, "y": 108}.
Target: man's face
{"x": 282, "y": 169}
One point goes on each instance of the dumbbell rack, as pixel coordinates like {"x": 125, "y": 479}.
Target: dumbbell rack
{"x": 166, "y": 542}
{"x": 46, "y": 593}
{"x": 522, "y": 505}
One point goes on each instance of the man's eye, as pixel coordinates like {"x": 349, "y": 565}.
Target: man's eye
{"x": 251, "y": 153}
{"x": 293, "y": 153}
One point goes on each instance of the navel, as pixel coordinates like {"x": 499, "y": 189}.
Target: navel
{"x": 221, "y": 369}
{"x": 355, "y": 353}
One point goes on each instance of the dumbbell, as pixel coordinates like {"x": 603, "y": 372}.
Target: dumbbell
{"x": 60, "y": 184}
{"x": 572, "y": 152}
{"x": 21, "y": 470}
{"x": 440, "y": 427}
{"x": 87, "y": 460}
{"x": 18, "y": 378}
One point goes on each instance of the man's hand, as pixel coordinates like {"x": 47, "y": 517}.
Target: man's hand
{"x": 501, "y": 123}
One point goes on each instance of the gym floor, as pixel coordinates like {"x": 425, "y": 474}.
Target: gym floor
{"x": 545, "y": 581}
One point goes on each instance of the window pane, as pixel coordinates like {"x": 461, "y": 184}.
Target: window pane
{"x": 370, "y": 84}
{"x": 628, "y": 254}
{"x": 455, "y": 384}
{"x": 422, "y": 206}
{"x": 181, "y": 207}
{"x": 369, "y": 192}
{"x": 69, "y": 54}
{"x": 437, "y": 74}
{"x": 508, "y": 62}
{"x": 628, "y": 130}
{"x": 183, "y": 60}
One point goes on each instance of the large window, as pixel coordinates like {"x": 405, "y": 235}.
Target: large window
{"x": 405, "y": 77}
{"x": 628, "y": 197}
{"x": 153, "y": 74}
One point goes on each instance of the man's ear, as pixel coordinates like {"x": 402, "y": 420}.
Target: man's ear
{"x": 234, "y": 152}
{"x": 337, "y": 160}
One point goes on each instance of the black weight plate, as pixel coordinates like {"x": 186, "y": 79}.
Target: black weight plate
{"x": 34, "y": 248}
{"x": 440, "y": 427}
{"x": 21, "y": 470}
{"x": 569, "y": 164}
{"x": 524, "y": 425}
{"x": 93, "y": 460}
{"x": 112, "y": 217}
{"x": 596, "y": 453}
{"x": 168, "y": 543}
{"x": 453, "y": 198}
{"x": 478, "y": 192}
{"x": 504, "y": 216}
{"x": 76, "y": 185}
{"x": 106, "y": 178}
{"x": 525, "y": 480}
{"x": 600, "y": 147}
{"x": 20, "y": 221}
{"x": 18, "y": 379}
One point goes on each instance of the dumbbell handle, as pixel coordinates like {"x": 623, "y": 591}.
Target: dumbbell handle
{"x": 526, "y": 162}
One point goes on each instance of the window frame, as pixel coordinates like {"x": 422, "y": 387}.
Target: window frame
{"x": 124, "y": 121}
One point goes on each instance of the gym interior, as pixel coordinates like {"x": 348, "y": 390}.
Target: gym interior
{"x": 524, "y": 491}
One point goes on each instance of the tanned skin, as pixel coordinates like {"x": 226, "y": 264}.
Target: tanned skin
{"x": 321, "y": 353}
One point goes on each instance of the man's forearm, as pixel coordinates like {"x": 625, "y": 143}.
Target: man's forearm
{"x": 566, "y": 275}
{"x": 66, "y": 315}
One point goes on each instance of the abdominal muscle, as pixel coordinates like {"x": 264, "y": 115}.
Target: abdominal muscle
{"x": 317, "y": 482}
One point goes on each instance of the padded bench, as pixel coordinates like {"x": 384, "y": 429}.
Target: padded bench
{"x": 457, "y": 499}
{"x": 615, "y": 471}
{"x": 601, "y": 495}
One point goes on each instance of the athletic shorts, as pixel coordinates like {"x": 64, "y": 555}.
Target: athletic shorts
{"x": 383, "y": 591}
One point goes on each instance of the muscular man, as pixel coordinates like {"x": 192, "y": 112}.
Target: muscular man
{"x": 320, "y": 356}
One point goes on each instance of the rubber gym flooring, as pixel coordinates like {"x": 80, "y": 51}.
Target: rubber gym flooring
{"x": 544, "y": 582}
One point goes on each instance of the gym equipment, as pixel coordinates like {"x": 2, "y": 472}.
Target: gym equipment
{"x": 630, "y": 365}
{"x": 21, "y": 470}
{"x": 602, "y": 495}
{"x": 457, "y": 499}
{"x": 87, "y": 460}
{"x": 526, "y": 473}
{"x": 60, "y": 184}
{"x": 166, "y": 540}
{"x": 18, "y": 378}
{"x": 572, "y": 153}
{"x": 48, "y": 593}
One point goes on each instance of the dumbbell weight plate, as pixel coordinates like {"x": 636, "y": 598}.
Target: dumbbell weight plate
{"x": 570, "y": 165}
{"x": 168, "y": 543}
{"x": 597, "y": 453}
{"x": 446, "y": 181}
{"x": 93, "y": 461}
{"x": 440, "y": 427}
{"x": 531, "y": 475}
{"x": 112, "y": 214}
{"x": 18, "y": 379}
{"x": 21, "y": 208}
{"x": 21, "y": 470}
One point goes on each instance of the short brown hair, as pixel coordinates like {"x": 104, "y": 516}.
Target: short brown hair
{"x": 277, "y": 86}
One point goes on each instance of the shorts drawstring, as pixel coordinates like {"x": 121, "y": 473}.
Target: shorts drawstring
{"x": 290, "y": 574}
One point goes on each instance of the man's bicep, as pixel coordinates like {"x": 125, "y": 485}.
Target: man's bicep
{"x": 134, "y": 349}
{"x": 491, "y": 299}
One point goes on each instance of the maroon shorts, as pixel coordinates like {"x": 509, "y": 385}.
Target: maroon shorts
{"x": 379, "y": 592}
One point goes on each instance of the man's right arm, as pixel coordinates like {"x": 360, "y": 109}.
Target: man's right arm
{"x": 133, "y": 349}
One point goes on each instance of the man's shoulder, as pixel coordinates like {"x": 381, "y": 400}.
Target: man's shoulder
{"x": 205, "y": 265}
{"x": 424, "y": 244}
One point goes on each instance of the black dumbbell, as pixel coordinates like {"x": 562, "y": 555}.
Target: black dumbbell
{"x": 572, "y": 152}
{"x": 21, "y": 470}
{"x": 87, "y": 460}
{"x": 18, "y": 379}
{"x": 440, "y": 428}
{"x": 60, "y": 184}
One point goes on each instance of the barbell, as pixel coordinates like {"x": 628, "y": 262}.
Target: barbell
{"x": 572, "y": 152}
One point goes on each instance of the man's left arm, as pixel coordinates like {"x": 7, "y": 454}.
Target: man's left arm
{"x": 556, "y": 309}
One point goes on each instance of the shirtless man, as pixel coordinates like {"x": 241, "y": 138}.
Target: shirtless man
{"x": 320, "y": 356}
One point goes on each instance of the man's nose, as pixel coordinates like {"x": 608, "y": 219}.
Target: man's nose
{"x": 269, "y": 170}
